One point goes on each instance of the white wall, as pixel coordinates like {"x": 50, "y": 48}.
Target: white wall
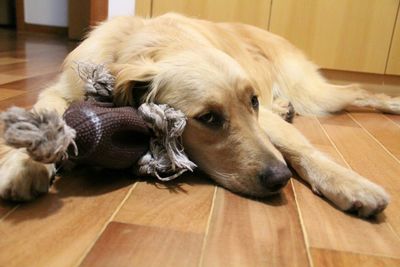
{"x": 120, "y": 8}
{"x": 46, "y": 12}
{"x": 55, "y": 12}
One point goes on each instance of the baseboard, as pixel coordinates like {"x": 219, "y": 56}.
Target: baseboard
{"x": 379, "y": 83}
{"x": 27, "y": 27}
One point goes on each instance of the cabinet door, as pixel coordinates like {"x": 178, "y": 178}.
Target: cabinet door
{"x": 255, "y": 12}
{"x": 338, "y": 34}
{"x": 393, "y": 66}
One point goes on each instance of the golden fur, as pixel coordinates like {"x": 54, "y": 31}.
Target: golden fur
{"x": 201, "y": 67}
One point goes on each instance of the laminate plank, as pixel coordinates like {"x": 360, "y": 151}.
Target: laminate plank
{"x": 4, "y": 68}
{"x": 326, "y": 226}
{"x": 35, "y": 68}
{"x": 330, "y": 258}
{"x": 5, "y": 78}
{"x": 38, "y": 82}
{"x": 58, "y": 228}
{"x": 7, "y": 93}
{"x": 245, "y": 232}
{"x": 184, "y": 205}
{"x": 5, "y": 207}
{"x": 18, "y": 53}
{"x": 395, "y": 118}
{"x": 25, "y": 100}
{"x": 384, "y": 130}
{"x": 368, "y": 158}
{"x": 10, "y": 60}
{"x": 137, "y": 245}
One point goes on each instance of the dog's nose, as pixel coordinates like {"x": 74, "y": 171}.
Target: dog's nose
{"x": 275, "y": 176}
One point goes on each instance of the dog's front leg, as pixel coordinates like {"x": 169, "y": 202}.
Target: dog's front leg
{"x": 344, "y": 187}
{"x": 24, "y": 174}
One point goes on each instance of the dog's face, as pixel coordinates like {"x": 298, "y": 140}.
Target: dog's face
{"x": 222, "y": 136}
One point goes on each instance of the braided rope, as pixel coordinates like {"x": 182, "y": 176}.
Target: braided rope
{"x": 166, "y": 154}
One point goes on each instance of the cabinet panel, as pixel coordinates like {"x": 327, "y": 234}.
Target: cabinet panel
{"x": 255, "y": 12}
{"x": 393, "y": 66}
{"x": 346, "y": 35}
{"x": 143, "y": 8}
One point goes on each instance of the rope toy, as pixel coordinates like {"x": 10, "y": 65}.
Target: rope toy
{"x": 96, "y": 132}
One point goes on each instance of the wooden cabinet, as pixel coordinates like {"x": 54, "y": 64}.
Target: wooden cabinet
{"x": 393, "y": 66}
{"x": 352, "y": 35}
{"x": 346, "y": 35}
{"x": 255, "y": 12}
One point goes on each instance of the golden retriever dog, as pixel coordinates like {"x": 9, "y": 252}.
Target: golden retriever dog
{"x": 236, "y": 84}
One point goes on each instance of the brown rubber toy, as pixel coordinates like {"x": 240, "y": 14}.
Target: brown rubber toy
{"x": 107, "y": 136}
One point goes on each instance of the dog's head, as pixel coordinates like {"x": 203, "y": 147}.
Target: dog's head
{"x": 223, "y": 136}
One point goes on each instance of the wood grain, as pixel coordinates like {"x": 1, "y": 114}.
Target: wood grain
{"x": 7, "y": 93}
{"x": 143, "y": 8}
{"x": 34, "y": 83}
{"x": 57, "y": 229}
{"x": 331, "y": 258}
{"x": 387, "y": 133}
{"x": 5, "y": 78}
{"x": 245, "y": 232}
{"x": 25, "y": 100}
{"x": 393, "y": 64}
{"x": 98, "y": 11}
{"x": 394, "y": 118}
{"x": 256, "y": 13}
{"x": 20, "y": 14}
{"x": 189, "y": 224}
{"x": 346, "y": 35}
{"x": 184, "y": 206}
{"x": 368, "y": 158}
{"x": 5, "y": 208}
{"x": 10, "y": 60}
{"x": 328, "y": 227}
{"x": 137, "y": 245}
{"x": 46, "y": 29}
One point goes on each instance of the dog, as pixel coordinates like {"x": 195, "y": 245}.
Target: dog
{"x": 237, "y": 84}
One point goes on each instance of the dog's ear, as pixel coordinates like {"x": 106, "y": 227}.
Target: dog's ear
{"x": 133, "y": 82}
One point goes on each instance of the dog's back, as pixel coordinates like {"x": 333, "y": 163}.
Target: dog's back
{"x": 276, "y": 68}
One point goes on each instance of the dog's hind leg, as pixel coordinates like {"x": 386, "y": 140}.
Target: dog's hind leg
{"x": 345, "y": 188}
{"x": 299, "y": 82}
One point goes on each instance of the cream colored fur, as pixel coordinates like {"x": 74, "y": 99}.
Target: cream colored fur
{"x": 198, "y": 66}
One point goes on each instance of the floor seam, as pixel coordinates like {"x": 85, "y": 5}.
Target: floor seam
{"x": 2, "y": 218}
{"x": 86, "y": 252}
{"x": 374, "y": 138}
{"x": 303, "y": 227}
{"x": 203, "y": 247}
{"x": 389, "y": 119}
{"x": 347, "y": 164}
{"x": 333, "y": 144}
{"x": 357, "y": 252}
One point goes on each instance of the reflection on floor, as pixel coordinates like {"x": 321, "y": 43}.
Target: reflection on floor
{"x": 110, "y": 219}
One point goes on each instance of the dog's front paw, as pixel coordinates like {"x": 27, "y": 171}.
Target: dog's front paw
{"x": 354, "y": 193}
{"x": 284, "y": 108}
{"x": 22, "y": 179}
{"x": 45, "y": 135}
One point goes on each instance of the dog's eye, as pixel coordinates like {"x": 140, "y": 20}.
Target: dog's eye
{"x": 254, "y": 102}
{"x": 211, "y": 119}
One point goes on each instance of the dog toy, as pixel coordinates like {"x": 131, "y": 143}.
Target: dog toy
{"x": 98, "y": 133}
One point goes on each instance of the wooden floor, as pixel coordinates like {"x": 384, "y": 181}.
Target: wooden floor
{"x": 110, "y": 219}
